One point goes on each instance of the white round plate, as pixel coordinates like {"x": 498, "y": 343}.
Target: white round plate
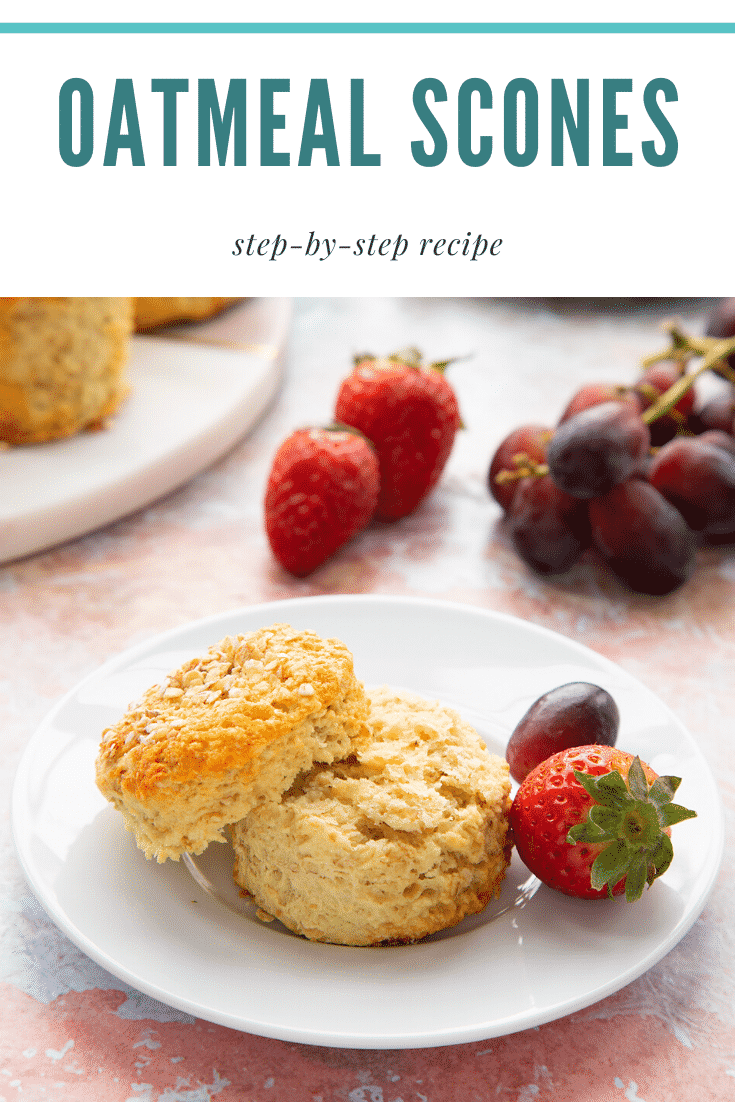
{"x": 195, "y": 390}
{"x": 534, "y": 956}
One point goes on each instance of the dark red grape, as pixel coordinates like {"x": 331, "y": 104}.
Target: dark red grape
{"x": 717, "y": 413}
{"x": 654, "y": 382}
{"x": 642, "y": 537}
{"x": 528, "y": 440}
{"x": 594, "y": 394}
{"x": 721, "y": 324}
{"x": 577, "y": 714}
{"x": 698, "y": 477}
{"x": 598, "y": 448}
{"x": 724, "y": 440}
{"x": 549, "y": 529}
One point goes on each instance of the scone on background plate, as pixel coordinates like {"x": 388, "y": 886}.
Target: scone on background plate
{"x": 150, "y": 312}
{"x": 227, "y": 731}
{"x": 405, "y": 837}
{"x": 62, "y": 365}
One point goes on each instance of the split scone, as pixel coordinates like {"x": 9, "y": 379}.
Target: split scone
{"x": 405, "y": 837}
{"x": 150, "y": 312}
{"x": 62, "y": 365}
{"x": 227, "y": 731}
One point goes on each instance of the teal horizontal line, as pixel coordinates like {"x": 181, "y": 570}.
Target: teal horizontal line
{"x": 367, "y": 28}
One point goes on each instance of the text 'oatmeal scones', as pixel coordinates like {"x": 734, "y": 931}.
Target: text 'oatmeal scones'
{"x": 402, "y": 839}
{"x": 227, "y": 730}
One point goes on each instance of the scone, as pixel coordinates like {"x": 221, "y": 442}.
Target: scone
{"x": 405, "y": 837}
{"x": 227, "y": 731}
{"x": 62, "y": 365}
{"x": 150, "y": 312}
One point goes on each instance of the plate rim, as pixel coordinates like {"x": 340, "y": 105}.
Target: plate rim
{"x": 484, "y": 1030}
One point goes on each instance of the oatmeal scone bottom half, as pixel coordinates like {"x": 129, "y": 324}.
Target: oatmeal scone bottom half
{"x": 227, "y": 731}
{"x": 402, "y": 839}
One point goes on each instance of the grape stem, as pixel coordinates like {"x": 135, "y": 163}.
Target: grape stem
{"x": 524, "y": 466}
{"x": 682, "y": 348}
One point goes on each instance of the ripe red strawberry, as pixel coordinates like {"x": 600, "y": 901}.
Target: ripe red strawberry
{"x": 410, "y": 412}
{"x": 322, "y": 490}
{"x": 593, "y": 821}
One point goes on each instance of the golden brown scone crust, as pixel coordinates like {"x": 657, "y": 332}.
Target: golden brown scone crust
{"x": 150, "y": 312}
{"x": 62, "y": 365}
{"x": 404, "y": 838}
{"x": 226, "y": 731}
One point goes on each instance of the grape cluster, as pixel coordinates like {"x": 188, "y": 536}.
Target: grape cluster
{"x": 642, "y": 474}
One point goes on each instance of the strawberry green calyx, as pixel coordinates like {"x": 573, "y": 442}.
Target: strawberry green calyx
{"x": 633, "y": 818}
{"x": 407, "y": 357}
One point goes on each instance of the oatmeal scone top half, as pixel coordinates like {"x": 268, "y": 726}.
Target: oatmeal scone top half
{"x": 226, "y": 731}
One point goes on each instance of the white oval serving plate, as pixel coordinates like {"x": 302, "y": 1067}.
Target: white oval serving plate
{"x": 531, "y": 958}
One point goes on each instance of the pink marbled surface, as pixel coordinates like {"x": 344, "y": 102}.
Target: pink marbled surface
{"x": 69, "y": 1030}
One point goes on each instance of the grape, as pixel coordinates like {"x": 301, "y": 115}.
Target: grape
{"x": 594, "y": 394}
{"x": 529, "y": 440}
{"x": 654, "y": 382}
{"x": 698, "y": 477}
{"x": 549, "y": 529}
{"x": 577, "y": 714}
{"x": 598, "y": 448}
{"x": 721, "y": 324}
{"x": 723, "y": 539}
{"x": 643, "y": 538}
{"x": 717, "y": 413}
{"x": 724, "y": 440}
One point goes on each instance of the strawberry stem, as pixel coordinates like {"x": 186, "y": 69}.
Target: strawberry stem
{"x": 410, "y": 356}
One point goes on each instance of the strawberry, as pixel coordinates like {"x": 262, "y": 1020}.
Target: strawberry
{"x": 410, "y": 413}
{"x": 322, "y": 490}
{"x": 593, "y": 821}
